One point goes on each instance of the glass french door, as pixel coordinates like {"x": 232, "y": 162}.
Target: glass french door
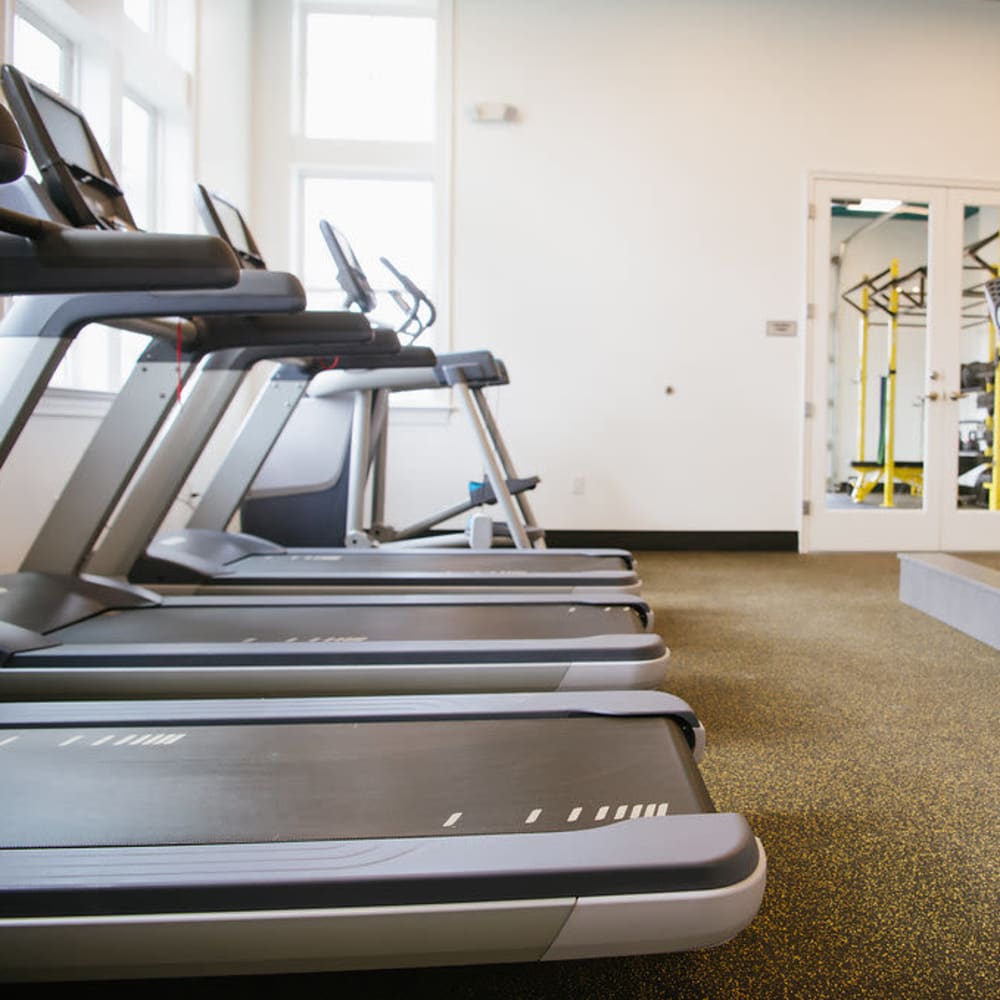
{"x": 901, "y": 368}
{"x": 971, "y": 512}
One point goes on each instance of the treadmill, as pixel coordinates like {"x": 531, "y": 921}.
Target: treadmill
{"x": 203, "y": 838}
{"x": 207, "y": 838}
{"x": 63, "y": 635}
{"x": 204, "y": 557}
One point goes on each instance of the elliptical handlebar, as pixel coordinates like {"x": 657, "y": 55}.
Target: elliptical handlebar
{"x": 359, "y": 292}
{"x": 412, "y": 309}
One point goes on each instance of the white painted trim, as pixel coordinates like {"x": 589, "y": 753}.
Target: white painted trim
{"x": 74, "y": 403}
{"x": 938, "y": 522}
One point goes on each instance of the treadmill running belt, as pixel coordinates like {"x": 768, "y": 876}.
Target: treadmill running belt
{"x": 497, "y": 562}
{"x": 325, "y": 623}
{"x": 278, "y": 782}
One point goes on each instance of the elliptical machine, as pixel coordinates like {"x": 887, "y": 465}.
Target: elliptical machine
{"x": 321, "y": 499}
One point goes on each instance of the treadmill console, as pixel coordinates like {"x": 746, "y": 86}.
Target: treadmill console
{"x": 223, "y": 219}
{"x": 353, "y": 280}
{"x": 75, "y": 173}
{"x": 350, "y": 275}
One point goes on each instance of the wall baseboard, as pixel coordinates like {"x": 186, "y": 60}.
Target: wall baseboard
{"x": 677, "y": 541}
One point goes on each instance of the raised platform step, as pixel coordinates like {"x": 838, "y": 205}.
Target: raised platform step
{"x": 962, "y": 594}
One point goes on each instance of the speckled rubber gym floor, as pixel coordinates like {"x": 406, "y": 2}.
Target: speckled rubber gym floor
{"x": 862, "y": 741}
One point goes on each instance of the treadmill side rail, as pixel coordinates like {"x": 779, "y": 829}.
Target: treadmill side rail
{"x": 284, "y": 941}
{"x": 317, "y": 669}
{"x": 554, "y": 929}
{"x": 358, "y": 937}
{"x": 605, "y": 926}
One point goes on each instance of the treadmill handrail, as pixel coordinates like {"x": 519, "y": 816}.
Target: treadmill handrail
{"x": 62, "y": 316}
{"x": 42, "y": 257}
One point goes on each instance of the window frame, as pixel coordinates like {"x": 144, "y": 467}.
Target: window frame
{"x": 67, "y": 47}
{"x": 153, "y": 209}
{"x": 364, "y": 159}
{"x": 107, "y": 58}
{"x": 155, "y": 18}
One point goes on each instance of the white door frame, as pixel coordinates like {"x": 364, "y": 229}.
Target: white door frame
{"x": 938, "y": 523}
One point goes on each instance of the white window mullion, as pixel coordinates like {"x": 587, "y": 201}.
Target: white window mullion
{"x": 363, "y": 148}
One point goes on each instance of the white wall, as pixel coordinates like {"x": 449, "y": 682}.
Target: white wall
{"x": 647, "y": 215}
{"x": 222, "y": 80}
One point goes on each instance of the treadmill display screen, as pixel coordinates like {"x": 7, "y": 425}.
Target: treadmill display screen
{"x": 235, "y": 230}
{"x": 350, "y": 275}
{"x": 69, "y": 134}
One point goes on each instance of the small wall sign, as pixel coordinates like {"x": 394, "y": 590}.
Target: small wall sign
{"x": 782, "y": 328}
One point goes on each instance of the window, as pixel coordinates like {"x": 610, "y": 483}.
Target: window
{"x": 368, "y": 140}
{"x": 172, "y": 26}
{"x": 381, "y": 218}
{"x": 141, "y": 13}
{"x": 44, "y": 55}
{"x": 139, "y": 160}
{"x": 41, "y": 53}
{"x": 134, "y": 88}
{"x": 369, "y": 77}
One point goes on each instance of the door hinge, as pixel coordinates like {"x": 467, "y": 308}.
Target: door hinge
{"x": 806, "y": 508}
{"x": 812, "y": 210}
{"x": 810, "y": 311}
{"x": 810, "y": 411}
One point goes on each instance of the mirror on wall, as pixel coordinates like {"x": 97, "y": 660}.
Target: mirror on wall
{"x": 977, "y": 458}
{"x": 878, "y": 346}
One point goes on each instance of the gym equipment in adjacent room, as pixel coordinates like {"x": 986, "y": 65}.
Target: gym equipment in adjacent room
{"x": 987, "y": 379}
{"x": 883, "y": 292}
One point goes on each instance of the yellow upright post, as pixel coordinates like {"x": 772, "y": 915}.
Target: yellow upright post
{"x": 993, "y": 330}
{"x": 992, "y": 452}
{"x": 863, "y": 328}
{"x": 889, "y": 459}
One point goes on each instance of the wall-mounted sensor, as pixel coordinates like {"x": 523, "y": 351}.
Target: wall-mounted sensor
{"x": 493, "y": 112}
